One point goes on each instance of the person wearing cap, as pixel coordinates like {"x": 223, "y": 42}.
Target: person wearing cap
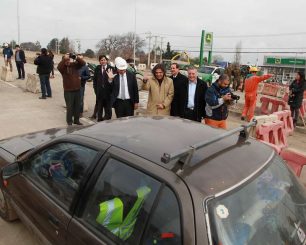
{"x": 72, "y": 85}
{"x": 124, "y": 97}
{"x": 161, "y": 92}
{"x": 103, "y": 90}
{"x": 44, "y": 67}
{"x": 7, "y": 54}
{"x": 20, "y": 61}
{"x": 251, "y": 85}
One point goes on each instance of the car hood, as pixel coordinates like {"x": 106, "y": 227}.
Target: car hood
{"x": 22, "y": 143}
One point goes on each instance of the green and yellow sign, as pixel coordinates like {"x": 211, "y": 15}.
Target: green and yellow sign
{"x": 208, "y": 41}
{"x": 285, "y": 61}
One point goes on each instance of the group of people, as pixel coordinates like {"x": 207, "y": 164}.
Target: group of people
{"x": 19, "y": 59}
{"x": 180, "y": 96}
{"x": 116, "y": 87}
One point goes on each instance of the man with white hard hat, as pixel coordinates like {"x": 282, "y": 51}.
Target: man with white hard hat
{"x": 125, "y": 97}
{"x": 7, "y": 54}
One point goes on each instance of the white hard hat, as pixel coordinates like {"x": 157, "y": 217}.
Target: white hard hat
{"x": 6, "y": 45}
{"x": 121, "y": 63}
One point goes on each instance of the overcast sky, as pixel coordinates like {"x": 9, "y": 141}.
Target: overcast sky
{"x": 231, "y": 21}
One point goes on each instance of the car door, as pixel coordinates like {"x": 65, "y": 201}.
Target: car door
{"x": 45, "y": 190}
{"x": 120, "y": 177}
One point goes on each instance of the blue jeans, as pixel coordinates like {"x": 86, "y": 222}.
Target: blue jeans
{"x": 45, "y": 85}
{"x": 82, "y": 92}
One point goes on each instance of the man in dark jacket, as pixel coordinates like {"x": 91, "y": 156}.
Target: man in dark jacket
{"x": 20, "y": 61}
{"x": 44, "y": 68}
{"x": 125, "y": 97}
{"x": 217, "y": 99}
{"x": 84, "y": 75}
{"x": 103, "y": 89}
{"x": 7, "y": 54}
{"x": 180, "y": 82}
{"x": 193, "y": 96}
{"x": 72, "y": 84}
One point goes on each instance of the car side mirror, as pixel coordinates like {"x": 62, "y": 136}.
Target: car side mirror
{"x": 10, "y": 170}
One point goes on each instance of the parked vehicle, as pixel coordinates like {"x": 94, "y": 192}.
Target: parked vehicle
{"x": 150, "y": 180}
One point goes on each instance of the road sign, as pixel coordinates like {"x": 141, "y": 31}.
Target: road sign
{"x": 285, "y": 61}
{"x": 208, "y": 43}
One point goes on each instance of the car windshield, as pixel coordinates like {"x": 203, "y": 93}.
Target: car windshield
{"x": 269, "y": 210}
{"x": 206, "y": 69}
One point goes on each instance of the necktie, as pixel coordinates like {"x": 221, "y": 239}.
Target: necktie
{"x": 103, "y": 70}
{"x": 122, "y": 87}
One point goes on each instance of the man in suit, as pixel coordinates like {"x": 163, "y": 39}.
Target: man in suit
{"x": 193, "y": 96}
{"x": 103, "y": 89}
{"x": 180, "y": 82}
{"x": 20, "y": 61}
{"x": 125, "y": 97}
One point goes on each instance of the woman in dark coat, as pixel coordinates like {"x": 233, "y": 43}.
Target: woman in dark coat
{"x": 296, "y": 93}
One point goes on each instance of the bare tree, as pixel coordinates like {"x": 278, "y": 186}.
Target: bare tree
{"x": 120, "y": 45}
{"x": 237, "y": 57}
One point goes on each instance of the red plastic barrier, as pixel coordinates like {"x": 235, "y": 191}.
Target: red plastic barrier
{"x": 265, "y": 101}
{"x": 276, "y": 105}
{"x": 273, "y": 133}
{"x": 303, "y": 108}
{"x": 285, "y": 116}
{"x": 295, "y": 160}
{"x": 266, "y": 89}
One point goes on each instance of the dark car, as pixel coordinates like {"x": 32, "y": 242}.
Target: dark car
{"x": 150, "y": 180}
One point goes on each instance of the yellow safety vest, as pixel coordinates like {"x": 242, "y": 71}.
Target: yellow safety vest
{"x": 111, "y": 214}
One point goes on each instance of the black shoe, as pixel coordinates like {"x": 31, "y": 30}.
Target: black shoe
{"x": 69, "y": 124}
{"x": 78, "y": 123}
{"x": 18, "y": 78}
{"x": 49, "y": 96}
{"x": 100, "y": 119}
{"x": 42, "y": 98}
{"x": 242, "y": 118}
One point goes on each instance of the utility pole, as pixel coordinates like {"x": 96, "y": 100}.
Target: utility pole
{"x": 202, "y": 47}
{"x": 155, "y": 47}
{"x": 134, "y": 39}
{"x": 149, "y": 53}
{"x": 161, "y": 50}
{"x": 18, "y": 22}
{"x": 56, "y": 46}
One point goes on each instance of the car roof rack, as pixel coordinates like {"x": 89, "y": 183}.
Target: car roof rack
{"x": 189, "y": 151}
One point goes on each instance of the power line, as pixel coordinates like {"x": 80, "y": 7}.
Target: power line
{"x": 238, "y": 36}
{"x": 247, "y": 52}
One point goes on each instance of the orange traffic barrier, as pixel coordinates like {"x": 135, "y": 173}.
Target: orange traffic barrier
{"x": 275, "y": 105}
{"x": 265, "y": 101}
{"x": 260, "y": 88}
{"x": 273, "y": 133}
{"x": 285, "y": 116}
{"x": 303, "y": 108}
{"x": 295, "y": 160}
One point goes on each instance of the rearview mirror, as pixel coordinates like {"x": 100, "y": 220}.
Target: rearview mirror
{"x": 10, "y": 170}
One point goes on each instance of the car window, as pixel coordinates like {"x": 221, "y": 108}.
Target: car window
{"x": 273, "y": 205}
{"x": 165, "y": 226}
{"x": 120, "y": 202}
{"x": 59, "y": 169}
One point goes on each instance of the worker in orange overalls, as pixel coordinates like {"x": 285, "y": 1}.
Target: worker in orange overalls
{"x": 251, "y": 85}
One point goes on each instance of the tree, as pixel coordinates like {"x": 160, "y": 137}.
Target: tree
{"x": 237, "y": 57}
{"x": 52, "y": 45}
{"x": 89, "y": 53}
{"x": 120, "y": 45}
{"x": 217, "y": 58}
{"x": 65, "y": 46}
{"x": 169, "y": 53}
{"x": 30, "y": 46}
